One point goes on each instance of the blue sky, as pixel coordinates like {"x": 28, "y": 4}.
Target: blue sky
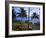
{"x": 32, "y": 10}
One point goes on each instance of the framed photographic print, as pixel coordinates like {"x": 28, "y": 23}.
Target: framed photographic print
{"x": 24, "y": 18}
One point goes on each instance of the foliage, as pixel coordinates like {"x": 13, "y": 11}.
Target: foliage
{"x": 35, "y": 16}
{"x": 23, "y": 13}
{"x": 18, "y": 26}
{"x": 13, "y": 15}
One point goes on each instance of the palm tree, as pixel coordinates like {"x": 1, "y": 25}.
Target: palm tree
{"x": 36, "y": 16}
{"x": 28, "y": 14}
{"x": 13, "y": 15}
{"x": 22, "y": 14}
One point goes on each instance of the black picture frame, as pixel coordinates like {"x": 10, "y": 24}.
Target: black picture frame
{"x": 7, "y": 18}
